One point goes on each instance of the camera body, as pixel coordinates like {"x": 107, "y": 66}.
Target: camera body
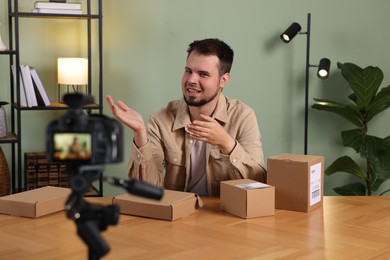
{"x": 81, "y": 139}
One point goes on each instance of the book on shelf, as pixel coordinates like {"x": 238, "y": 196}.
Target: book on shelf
{"x": 23, "y": 100}
{"x": 42, "y": 98}
{"x": 56, "y": 11}
{"x": 40, "y": 172}
{"x": 28, "y": 86}
{"x": 57, "y": 5}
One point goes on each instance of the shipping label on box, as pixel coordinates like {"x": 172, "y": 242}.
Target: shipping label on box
{"x": 315, "y": 183}
{"x": 173, "y": 205}
{"x": 298, "y": 181}
{"x": 247, "y": 198}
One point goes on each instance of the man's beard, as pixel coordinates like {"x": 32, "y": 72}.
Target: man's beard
{"x": 192, "y": 102}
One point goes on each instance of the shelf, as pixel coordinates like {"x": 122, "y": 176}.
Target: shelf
{"x": 7, "y": 52}
{"x": 56, "y": 16}
{"x": 55, "y": 106}
{"x": 93, "y": 42}
{"x": 9, "y": 138}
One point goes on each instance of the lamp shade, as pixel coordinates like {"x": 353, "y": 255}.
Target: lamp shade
{"x": 72, "y": 71}
{"x": 323, "y": 68}
{"x": 290, "y": 32}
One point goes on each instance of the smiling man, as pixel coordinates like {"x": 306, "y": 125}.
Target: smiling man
{"x": 195, "y": 143}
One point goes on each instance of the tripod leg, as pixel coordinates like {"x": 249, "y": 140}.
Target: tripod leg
{"x": 90, "y": 234}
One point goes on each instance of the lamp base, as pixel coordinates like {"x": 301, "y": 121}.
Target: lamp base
{"x": 70, "y": 88}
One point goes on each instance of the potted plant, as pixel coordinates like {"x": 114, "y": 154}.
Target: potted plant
{"x": 3, "y": 121}
{"x": 366, "y": 102}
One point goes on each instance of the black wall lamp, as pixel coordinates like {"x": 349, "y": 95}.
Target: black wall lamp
{"x": 323, "y": 67}
{"x": 290, "y": 32}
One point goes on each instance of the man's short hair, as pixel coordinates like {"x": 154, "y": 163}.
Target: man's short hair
{"x": 215, "y": 47}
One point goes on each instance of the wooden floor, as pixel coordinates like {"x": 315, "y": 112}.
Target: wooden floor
{"x": 344, "y": 228}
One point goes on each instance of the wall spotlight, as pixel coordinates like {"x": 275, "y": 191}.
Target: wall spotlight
{"x": 323, "y": 68}
{"x": 290, "y": 32}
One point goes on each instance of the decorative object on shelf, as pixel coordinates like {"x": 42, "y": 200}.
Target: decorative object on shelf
{"x": 2, "y": 45}
{"x": 3, "y": 119}
{"x": 365, "y": 102}
{"x": 323, "y": 67}
{"x": 72, "y": 72}
{"x": 4, "y": 175}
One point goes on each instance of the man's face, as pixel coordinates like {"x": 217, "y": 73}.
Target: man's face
{"x": 201, "y": 82}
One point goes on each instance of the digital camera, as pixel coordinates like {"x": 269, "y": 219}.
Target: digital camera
{"x": 81, "y": 139}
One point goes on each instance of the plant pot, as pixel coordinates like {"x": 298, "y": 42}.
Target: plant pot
{"x": 4, "y": 175}
{"x": 3, "y": 123}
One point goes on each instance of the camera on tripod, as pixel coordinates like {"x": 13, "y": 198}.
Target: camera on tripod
{"x": 79, "y": 138}
{"x": 85, "y": 143}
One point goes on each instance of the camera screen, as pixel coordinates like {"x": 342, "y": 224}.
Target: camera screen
{"x": 72, "y": 146}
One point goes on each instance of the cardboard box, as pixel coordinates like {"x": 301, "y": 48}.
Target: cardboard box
{"x": 173, "y": 205}
{"x": 247, "y": 198}
{"x": 298, "y": 181}
{"x": 35, "y": 203}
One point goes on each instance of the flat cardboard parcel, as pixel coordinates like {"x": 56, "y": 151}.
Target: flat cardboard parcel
{"x": 174, "y": 205}
{"x": 35, "y": 203}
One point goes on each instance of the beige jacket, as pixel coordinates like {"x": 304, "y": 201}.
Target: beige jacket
{"x": 165, "y": 159}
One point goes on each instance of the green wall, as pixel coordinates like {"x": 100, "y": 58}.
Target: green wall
{"x": 145, "y": 45}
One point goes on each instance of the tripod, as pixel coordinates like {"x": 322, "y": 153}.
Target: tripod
{"x": 91, "y": 219}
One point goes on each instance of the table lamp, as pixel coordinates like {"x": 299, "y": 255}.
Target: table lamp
{"x": 72, "y": 72}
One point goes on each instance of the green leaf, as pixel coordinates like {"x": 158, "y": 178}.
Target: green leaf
{"x": 376, "y": 183}
{"x": 346, "y": 164}
{"x": 353, "y": 138}
{"x": 386, "y": 141}
{"x": 364, "y": 82}
{"x": 349, "y": 111}
{"x": 376, "y": 180}
{"x": 380, "y": 103}
{"x": 367, "y": 145}
{"x": 352, "y": 189}
{"x": 380, "y": 163}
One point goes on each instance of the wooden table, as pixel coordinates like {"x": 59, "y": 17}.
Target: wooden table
{"x": 344, "y": 228}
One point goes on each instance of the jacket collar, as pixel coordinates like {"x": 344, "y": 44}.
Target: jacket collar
{"x": 183, "y": 117}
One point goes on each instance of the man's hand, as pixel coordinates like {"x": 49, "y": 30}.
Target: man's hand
{"x": 210, "y": 131}
{"x": 131, "y": 118}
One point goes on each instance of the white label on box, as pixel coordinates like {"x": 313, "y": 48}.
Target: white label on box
{"x": 253, "y": 185}
{"x": 315, "y": 183}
